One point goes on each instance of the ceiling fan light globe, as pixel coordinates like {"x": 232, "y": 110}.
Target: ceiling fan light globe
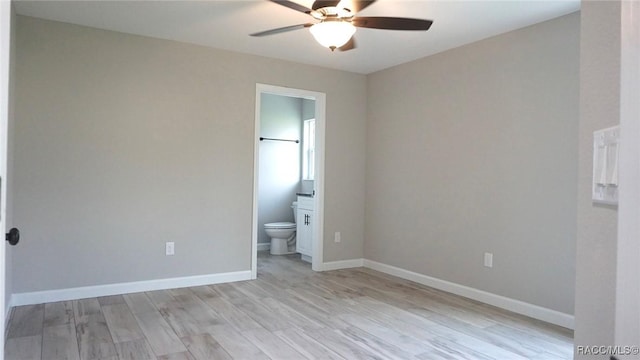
{"x": 332, "y": 34}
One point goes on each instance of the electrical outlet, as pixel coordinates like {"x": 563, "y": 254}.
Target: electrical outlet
{"x": 488, "y": 260}
{"x": 337, "y": 237}
{"x": 169, "y": 248}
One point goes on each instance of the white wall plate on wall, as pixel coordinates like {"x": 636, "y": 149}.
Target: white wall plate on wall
{"x": 605, "y": 165}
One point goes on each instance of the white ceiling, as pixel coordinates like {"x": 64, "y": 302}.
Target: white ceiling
{"x": 226, "y": 25}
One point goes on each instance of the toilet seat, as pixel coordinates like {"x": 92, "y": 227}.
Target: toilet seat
{"x": 280, "y": 225}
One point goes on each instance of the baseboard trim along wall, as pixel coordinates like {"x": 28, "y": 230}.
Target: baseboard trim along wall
{"x": 264, "y": 246}
{"x": 39, "y": 297}
{"x": 342, "y": 264}
{"x": 517, "y": 306}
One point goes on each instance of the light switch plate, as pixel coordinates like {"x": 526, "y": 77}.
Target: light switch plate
{"x": 605, "y": 166}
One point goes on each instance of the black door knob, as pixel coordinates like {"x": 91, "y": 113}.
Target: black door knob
{"x": 13, "y": 236}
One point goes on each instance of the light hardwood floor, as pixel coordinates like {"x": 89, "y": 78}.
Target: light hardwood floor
{"x": 290, "y": 312}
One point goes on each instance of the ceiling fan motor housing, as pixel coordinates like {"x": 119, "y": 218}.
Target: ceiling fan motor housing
{"x": 337, "y": 23}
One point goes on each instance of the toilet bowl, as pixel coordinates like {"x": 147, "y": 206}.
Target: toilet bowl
{"x": 283, "y": 235}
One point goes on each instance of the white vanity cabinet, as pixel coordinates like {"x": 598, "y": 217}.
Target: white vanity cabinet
{"x": 304, "y": 226}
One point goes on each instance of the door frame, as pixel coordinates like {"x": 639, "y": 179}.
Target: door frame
{"x": 5, "y": 58}
{"x": 318, "y": 184}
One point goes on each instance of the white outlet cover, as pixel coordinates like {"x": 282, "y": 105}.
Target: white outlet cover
{"x": 488, "y": 260}
{"x": 170, "y": 248}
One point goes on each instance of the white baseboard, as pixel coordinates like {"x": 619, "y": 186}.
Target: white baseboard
{"x": 39, "y": 297}
{"x": 264, "y": 246}
{"x": 342, "y": 264}
{"x": 517, "y": 306}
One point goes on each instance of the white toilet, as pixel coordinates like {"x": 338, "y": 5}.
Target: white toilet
{"x": 283, "y": 234}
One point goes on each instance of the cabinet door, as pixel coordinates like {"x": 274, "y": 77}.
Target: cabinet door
{"x": 308, "y": 233}
{"x": 300, "y": 233}
{"x": 304, "y": 232}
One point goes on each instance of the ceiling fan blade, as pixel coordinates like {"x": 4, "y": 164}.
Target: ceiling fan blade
{"x": 292, "y": 5}
{"x": 281, "y": 30}
{"x": 319, "y": 4}
{"x": 350, "y": 45}
{"x": 391, "y": 23}
{"x": 359, "y": 5}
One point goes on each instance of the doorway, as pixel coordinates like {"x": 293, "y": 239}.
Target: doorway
{"x": 318, "y": 169}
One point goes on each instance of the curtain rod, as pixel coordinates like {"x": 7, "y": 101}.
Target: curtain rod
{"x": 272, "y": 139}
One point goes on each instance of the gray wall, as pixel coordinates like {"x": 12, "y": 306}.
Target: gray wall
{"x": 475, "y": 150}
{"x": 124, "y": 142}
{"x": 279, "y": 180}
{"x": 597, "y": 225}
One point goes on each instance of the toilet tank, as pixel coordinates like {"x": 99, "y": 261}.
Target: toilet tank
{"x": 294, "y": 206}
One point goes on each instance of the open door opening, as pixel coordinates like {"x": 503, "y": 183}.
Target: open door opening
{"x": 307, "y": 145}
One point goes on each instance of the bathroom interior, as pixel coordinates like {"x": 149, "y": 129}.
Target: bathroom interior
{"x": 286, "y": 177}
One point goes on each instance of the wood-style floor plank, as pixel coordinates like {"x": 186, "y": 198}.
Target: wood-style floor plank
{"x": 111, "y": 300}
{"x": 261, "y": 314}
{"x": 378, "y": 329}
{"x": 161, "y": 337}
{"x": 343, "y": 345}
{"x": 26, "y": 321}
{"x": 177, "y": 356}
{"x": 58, "y": 313}
{"x": 135, "y": 350}
{"x": 238, "y": 346}
{"x": 205, "y": 347}
{"x": 85, "y": 308}
{"x": 375, "y": 344}
{"x": 60, "y": 343}
{"x": 289, "y": 312}
{"x": 24, "y": 348}
{"x": 139, "y": 303}
{"x": 271, "y": 344}
{"x": 184, "y": 321}
{"x": 238, "y": 319}
{"x": 306, "y": 345}
{"x": 121, "y": 322}
{"x": 160, "y": 298}
{"x": 205, "y": 292}
{"x": 94, "y": 338}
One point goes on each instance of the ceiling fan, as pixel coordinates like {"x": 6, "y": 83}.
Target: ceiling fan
{"x": 338, "y": 22}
